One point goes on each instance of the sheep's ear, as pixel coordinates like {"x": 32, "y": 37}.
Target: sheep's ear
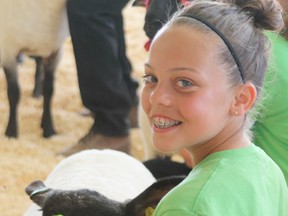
{"x": 139, "y": 3}
{"x": 149, "y": 198}
{"x": 37, "y": 192}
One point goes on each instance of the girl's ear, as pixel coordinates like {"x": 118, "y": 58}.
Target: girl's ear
{"x": 37, "y": 192}
{"x": 245, "y": 97}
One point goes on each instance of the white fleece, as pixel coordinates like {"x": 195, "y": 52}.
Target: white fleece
{"x": 37, "y": 27}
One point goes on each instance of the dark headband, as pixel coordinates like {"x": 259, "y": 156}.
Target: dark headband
{"x": 228, "y": 44}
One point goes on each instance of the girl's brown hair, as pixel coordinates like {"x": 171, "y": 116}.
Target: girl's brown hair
{"x": 237, "y": 26}
{"x": 241, "y": 22}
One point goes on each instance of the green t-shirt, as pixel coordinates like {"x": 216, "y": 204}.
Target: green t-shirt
{"x": 239, "y": 182}
{"x": 271, "y": 129}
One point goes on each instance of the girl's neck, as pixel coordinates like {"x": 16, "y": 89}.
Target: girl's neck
{"x": 237, "y": 139}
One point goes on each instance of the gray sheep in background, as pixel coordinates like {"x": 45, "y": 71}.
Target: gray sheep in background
{"x": 37, "y": 28}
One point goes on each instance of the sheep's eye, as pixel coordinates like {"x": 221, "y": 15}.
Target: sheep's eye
{"x": 149, "y": 79}
{"x": 184, "y": 83}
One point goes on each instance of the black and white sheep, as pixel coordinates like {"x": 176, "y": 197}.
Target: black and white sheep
{"x": 98, "y": 182}
{"x": 36, "y": 28}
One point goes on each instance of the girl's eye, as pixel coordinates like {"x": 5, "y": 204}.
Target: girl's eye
{"x": 184, "y": 83}
{"x": 150, "y": 79}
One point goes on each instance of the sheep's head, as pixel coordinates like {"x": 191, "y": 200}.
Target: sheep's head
{"x": 87, "y": 202}
{"x": 158, "y": 13}
{"x": 71, "y": 202}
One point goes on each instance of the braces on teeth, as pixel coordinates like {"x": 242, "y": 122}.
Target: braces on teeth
{"x": 162, "y": 123}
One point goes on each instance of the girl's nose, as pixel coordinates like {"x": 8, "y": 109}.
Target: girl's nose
{"x": 161, "y": 95}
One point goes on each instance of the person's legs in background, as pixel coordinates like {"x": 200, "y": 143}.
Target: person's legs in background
{"x": 104, "y": 70}
{"x": 131, "y": 83}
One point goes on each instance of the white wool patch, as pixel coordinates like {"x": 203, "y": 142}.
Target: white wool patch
{"x": 37, "y": 27}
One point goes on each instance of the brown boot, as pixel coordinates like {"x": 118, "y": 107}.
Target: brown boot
{"x": 98, "y": 141}
{"x": 133, "y": 115}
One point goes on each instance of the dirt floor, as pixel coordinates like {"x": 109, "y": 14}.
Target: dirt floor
{"x": 32, "y": 157}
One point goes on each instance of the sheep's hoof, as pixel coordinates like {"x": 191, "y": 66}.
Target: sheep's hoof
{"x": 49, "y": 133}
{"x": 11, "y": 133}
{"x": 37, "y": 94}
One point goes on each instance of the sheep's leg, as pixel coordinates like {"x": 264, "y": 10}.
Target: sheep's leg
{"x": 39, "y": 76}
{"x": 50, "y": 65}
{"x": 13, "y": 92}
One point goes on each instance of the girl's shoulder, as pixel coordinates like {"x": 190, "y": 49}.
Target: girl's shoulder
{"x": 217, "y": 182}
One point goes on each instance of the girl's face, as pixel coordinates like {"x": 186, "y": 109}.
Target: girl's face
{"x": 186, "y": 96}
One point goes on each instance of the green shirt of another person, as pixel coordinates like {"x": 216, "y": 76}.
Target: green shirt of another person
{"x": 271, "y": 129}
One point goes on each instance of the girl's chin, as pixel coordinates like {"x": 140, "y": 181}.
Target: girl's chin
{"x": 164, "y": 148}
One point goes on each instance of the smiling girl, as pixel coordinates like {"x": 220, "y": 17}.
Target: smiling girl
{"x": 203, "y": 74}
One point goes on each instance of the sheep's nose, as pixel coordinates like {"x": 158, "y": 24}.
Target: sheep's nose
{"x": 151, "y": 28}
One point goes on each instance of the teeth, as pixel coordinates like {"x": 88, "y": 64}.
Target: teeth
{"x": 164, "y": 123}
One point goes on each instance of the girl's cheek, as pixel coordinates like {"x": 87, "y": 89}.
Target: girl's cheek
{"x": 189, "y": 108}
{"x": 145, "y": 101}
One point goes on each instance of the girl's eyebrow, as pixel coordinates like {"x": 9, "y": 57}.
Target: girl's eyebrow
{"x": 176, "y": 68}
{"x": 147, "y": 65}
{"x": 184, "y": 68}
